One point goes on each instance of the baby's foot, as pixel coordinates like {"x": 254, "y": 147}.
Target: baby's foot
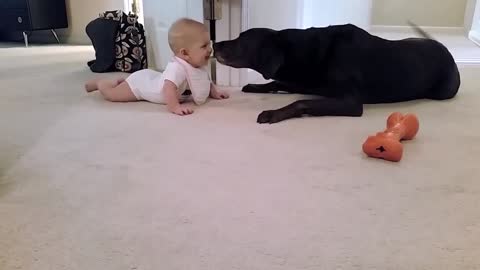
{"x": 91, "y": 85}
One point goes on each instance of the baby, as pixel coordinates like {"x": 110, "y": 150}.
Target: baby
{"x": 190, "y": 43}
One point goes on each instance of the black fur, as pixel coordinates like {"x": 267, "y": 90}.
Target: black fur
{"x": 344, "y": 64}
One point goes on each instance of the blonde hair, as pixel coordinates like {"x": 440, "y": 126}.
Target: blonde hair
{"x": 182, "y": 33}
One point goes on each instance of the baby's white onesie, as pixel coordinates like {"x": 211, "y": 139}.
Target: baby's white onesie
{"x": 147, "y": 84}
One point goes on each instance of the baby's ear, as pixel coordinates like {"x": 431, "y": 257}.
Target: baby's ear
{"x": 183, "y": 52}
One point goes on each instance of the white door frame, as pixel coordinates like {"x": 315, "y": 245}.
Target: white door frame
{"x": 234, "y": 15}
{"x": 245, "y": 25}
{"x": 127, "y": 7}
{"x": 240, "y": 19}
{"x": 239, "y": 22}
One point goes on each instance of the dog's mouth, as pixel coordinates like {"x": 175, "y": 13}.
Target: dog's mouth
{"x": 219, "y": 58}
{"x": 228, "y": 62}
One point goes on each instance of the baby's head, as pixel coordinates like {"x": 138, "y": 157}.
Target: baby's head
{"x": 189, "y": 40}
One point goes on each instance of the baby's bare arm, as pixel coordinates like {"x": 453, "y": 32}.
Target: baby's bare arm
{"x": 171, "y": 98}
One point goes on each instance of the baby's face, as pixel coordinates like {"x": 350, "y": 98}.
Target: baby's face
{"x": 200, "y": 50}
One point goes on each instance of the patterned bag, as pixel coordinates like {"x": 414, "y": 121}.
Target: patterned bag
{"x": 130, "y": 42}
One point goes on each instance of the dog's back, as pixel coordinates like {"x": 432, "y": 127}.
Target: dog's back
{"x": 380, "y": 70}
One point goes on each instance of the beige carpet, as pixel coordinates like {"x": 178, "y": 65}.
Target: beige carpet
{"x": 88, "y": 184}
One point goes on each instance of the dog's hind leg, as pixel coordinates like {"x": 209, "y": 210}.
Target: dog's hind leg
{"x": 447, "y": 88}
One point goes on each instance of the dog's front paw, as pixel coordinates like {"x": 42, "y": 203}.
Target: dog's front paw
{"x": 264, "y": 117}
{"x": 270, "y": 117}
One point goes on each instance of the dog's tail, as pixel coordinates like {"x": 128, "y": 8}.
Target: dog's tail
{"x": 419, "y": 30}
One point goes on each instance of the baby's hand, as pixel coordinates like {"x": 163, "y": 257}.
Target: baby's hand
{"x": 182, "y": 110}
{"x": 219, "y": 94}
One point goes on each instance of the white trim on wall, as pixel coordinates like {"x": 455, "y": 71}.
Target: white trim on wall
{"x": 408, "y": 29}
{"x": 469, "y": 13}
{"x": 235, "y": 30}
{"x": 307, "y": 19}
{"x": 300, "y": 13}
{"x": 223, "y": 32}
{"x": 474, "y": 36}
{"x": 245, "y": 25}
{"x": 229, "y": 27}
{"x": 245, "y": 15}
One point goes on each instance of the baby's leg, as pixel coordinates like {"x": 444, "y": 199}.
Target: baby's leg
{"x": 112, "y": 91}
{"x": 122, "y": 78}
{"x": 92, "y": 85}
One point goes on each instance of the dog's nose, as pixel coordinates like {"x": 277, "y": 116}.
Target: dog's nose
{"x": 216, "y": 46}
{"x": 215, "y": 50}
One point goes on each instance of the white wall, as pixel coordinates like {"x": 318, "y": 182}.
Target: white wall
{"x": 302, "y": 14}
{"x": 443, "y": 13}
{"x": 81, "y": 12}
{"x": 275, "y": 14}
{"x": 305, "y": 13}
{"x": 271, "y": 14}
{"x": 327, "y": 12}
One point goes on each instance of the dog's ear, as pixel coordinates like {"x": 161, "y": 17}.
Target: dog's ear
{"x": 271, "y": 60}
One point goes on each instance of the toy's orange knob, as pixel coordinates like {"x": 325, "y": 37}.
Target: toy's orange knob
{"x": 387, "y": 144}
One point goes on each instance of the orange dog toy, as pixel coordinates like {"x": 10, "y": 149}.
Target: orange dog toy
{"x": 386, "y": 145}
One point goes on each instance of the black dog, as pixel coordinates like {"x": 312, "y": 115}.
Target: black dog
{"x": 344, "y": 64}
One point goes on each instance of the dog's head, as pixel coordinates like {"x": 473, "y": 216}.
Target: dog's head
{"x": 257, "y": 48}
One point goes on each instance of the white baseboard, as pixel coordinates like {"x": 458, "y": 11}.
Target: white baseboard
{"x": 408, "y": 29}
